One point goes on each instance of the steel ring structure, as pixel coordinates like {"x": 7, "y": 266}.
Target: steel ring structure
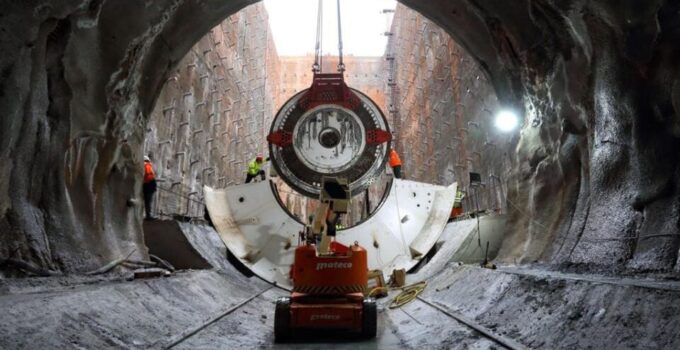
{"x": 329, "y": 129}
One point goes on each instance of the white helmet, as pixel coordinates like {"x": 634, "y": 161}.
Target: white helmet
{"x": 147, "y": 159}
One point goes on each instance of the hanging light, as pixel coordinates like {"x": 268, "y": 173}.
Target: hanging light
{"x": 506, "y": 120}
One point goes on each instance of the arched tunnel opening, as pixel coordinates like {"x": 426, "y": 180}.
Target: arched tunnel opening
{"x": 580, "y": 206}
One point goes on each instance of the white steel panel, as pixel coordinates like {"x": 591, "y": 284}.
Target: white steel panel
{"x": 260, "y": 233}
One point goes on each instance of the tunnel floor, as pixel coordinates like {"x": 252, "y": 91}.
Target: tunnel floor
{"x": 411, "y": 326}
{"x": 462, "y": 307}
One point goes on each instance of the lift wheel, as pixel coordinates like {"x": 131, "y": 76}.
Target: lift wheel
{"x": 282, "y": 331}
{"x": 370, "y": 319}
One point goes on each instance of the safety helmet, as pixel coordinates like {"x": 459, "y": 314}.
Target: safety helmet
{"x": 259, "y": 158}
{"x": 147, "y": 159}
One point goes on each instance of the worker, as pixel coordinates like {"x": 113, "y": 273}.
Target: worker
{"x": 149, "y": 187}
{"x": 395, "y": 163}
{"x": 457, "y": 209}
{"x": 255, "y": 168}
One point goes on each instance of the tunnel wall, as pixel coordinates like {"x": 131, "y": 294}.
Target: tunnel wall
{"x": 595, "y": 176}
{"x": 79, "y": 80}
{"x": 70, "y": 145}
{"x": 213, "y": 112}
{"x": 364, "y": 73}
{"x": 598, "y": 162}
{"x": 441, "y": 107}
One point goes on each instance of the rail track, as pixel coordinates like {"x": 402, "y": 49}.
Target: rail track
{"x": 459, "y": 319}
{"x": 191, "y": 332}
{"x": 469, "y": 323}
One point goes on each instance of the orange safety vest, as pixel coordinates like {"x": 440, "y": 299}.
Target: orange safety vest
{"x": 149, "y": 175}
{"x": 394, "y": 159}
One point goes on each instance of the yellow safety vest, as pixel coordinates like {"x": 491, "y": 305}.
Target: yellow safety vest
{"x": 459, "y": 199}
{"x": 254, "y": 167}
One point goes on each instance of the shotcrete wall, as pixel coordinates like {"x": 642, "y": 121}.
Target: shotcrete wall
{"x": 442, "y": 107}
{"x": 596, "y": 179}
{"x": 362, "y": 73}
{"x": 597, "y": 170}
{"x": 213, "y": 112}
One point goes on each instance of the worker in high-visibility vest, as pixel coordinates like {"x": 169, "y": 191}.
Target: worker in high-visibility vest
{"x": 149, "y": 187}
{"x": 395, "y": 163}
{"x": 255, "y": 168}
{"x": 457, "y": 209}
{"x": 458, "y": 200}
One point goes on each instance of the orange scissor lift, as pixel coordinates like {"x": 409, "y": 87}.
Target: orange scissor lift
{"x": 329, "y": 281}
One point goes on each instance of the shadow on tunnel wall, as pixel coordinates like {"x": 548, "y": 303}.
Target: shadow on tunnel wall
{"x": 165, "y": 239}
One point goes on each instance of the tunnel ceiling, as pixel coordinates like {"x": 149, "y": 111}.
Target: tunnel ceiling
{"x": 596, "y": 176}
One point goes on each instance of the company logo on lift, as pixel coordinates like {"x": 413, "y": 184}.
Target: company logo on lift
{"x": 324, "y": 317}
{"x": 333, "y": 265}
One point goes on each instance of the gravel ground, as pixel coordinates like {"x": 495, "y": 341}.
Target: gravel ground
{"x": 535, "y": 307}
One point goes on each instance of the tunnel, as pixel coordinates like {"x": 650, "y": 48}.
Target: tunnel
{"x": 570, "y": 231}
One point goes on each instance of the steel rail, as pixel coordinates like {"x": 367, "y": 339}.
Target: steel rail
{"x": 188, "y": 334}
{"x": 656, "y": 284}
{"x": 500, "y": 339}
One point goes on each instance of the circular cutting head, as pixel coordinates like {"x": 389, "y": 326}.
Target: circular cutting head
{"x": 328, "y": 139}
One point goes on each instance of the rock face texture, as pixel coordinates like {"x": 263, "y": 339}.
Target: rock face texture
{"x": 596, "y": 178}
{"x": 441, "y": 107}
{"x": 213, "y": 112}
{"x": 362, "y": 73}
{"x": 596, "y": 175}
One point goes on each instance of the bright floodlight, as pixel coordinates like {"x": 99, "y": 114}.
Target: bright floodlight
{"x": 506, "y": 121}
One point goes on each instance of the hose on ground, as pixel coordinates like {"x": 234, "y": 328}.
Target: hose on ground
{"x": 408, "y": 294}
{"x": 30, "y": 268}
{"x": 162, "y": 262}
{"x": 378, "y": 291}
{"x": 109, "y": 266}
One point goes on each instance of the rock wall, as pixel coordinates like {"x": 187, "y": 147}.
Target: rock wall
{"x": 362, "y": 73}
{"x": 70, "y": 135}
{"x": 213, "y": 112}
{"x": 595, "y": 176}
{"x": 441, "y": 107}
{"x": 597, "y": 165}
{"x": 598, "y": 171}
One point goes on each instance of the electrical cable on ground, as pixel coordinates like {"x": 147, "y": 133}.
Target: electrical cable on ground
{"x": 162, "y": 262}
{"x": 28, "y": 267}
{"x": 378, "y": 291}
{"x": 111, "y": 265}
{"x": 408, "y": 294}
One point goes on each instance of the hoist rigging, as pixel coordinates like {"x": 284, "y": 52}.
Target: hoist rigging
{"x": 317, "y": 67}
{"x": 328, "y": 142}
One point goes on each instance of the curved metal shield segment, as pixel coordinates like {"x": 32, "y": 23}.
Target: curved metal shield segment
{"x": 262, "y": 235}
